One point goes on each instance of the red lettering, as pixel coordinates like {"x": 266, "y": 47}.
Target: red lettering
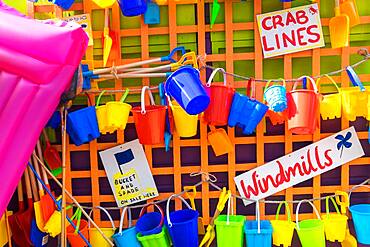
{"x": 328, "y": 158}
{"x": 264, "y": 23}
{"x": 277, "y": 20}
{"x": 300, "y": 36}
{"x": 247, "y": 192}
{"x": 301, "y": 17}
{"x": 312, "y": 33}
{"x": 312, "y": 168}
{"x": 318, "y": 158}
{"x": 266, "y": 183}
{"x": 265, "y": 46}
{"x": 291, "y": 40}
{"x": 293, "y": 171}
{"x": 280, "y": 177}
{"x": 290, "y": 19}
{"x": 277, "y": 41}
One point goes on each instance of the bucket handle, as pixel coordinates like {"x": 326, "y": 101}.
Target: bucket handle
{"x": 124, "y": 96}
{"x": 287, "y": 210}
{"x": 297, "y": 211}
{"x": 230, "y": 207}
{"x": 99, "y": 98}
{"x": 168, "y": 207}
{"x": 258, "y": 217}
{"x": 310, "y": 79}
{"x": 252, "y": 93}
{"x": 106, "y": 212}
{"x": 269, "y": 81}
{"x": 146, "y": 88}
{"x": 330, "y": 79}
{"x": 77, "y": 215}
{"x": 122, "y": 217}
{"x": 214, "y": 72}
{"x": 327, "y": 205}
{"x": 355, "y": 187}
{"x": 158, "y": 207}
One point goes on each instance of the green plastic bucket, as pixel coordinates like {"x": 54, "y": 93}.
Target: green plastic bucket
{"x": 159, "y": 240}
{"x": 230, "y": 233}
{"x": 310, "y": 232}
{"x": 229, "y": 228}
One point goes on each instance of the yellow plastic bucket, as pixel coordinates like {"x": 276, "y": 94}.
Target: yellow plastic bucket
{"x": 104, "y": 3}
{"x": 118, "y": 112}
{"x": 186, "y": 125}
{"x": 331, "y": 104}
{"x": 335, "y": 225}
{"x": 101, "y": 115}
{"x": 96, "y": 239}
{"x": 311, "y": 231}
{"x": 282, "y": 229}
{"x": 354, "y": 102}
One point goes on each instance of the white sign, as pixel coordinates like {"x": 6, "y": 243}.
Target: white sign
{"x": 128, "y": 173}
{"x": 290, "y": 30}
{"x": 300, "y": 165}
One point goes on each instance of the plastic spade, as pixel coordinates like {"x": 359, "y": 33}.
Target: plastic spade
{"x": 339, "y": 28}
{"x": 107, "y": 39}
{"x": 349, "y": 7}
{"x": 215, "y": 10}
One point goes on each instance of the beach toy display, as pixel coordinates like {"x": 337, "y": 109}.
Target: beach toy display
{"x": 96, "y": 239}
{"x": 335, "y": 225}
{"x": 246, "y": 112}
{"x": 229, "y": 228}
{"x": 150, "y": 223}
{"x": 331, "y": 104}
{"x": 258, "y": 232}
{"x": 306, "y": 105}
{"x": 132, "y": 7}
{"x": 127, "y": 237}
{"x": 356, "y": 98}
{"x": 275, "y": 96}
{"x": 74, "y": 239}
{"x": 311, "y": 231}
{"x": 149, "y": 120}
{"x": 185, "y": 86}
{"x": 282, "y": 229}
{"x": 221, "y": 97}
{"x": 361, "y": 218}
{"x": 182, "y": 225}
{"x": 186, "y": 125}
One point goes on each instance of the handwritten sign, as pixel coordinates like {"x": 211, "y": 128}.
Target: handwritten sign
{"x": 300, "y": 165}
{"x": 128, "y": 173}
{"x": 290, "y": 30}
{"x": 85, "y": 22}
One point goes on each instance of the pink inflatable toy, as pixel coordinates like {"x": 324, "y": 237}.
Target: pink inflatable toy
{"x": 37, "y": 61}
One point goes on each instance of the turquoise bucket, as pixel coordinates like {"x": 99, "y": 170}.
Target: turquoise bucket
{"x": 361, "y": 219}
{"x": 127, "y": 237}
{"x": 275, "y": 96}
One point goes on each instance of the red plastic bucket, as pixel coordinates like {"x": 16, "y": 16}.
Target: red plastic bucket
{"x": 221, "y": 98}
{"x": 306, "y": 103}
{"x": 149, "y": 120}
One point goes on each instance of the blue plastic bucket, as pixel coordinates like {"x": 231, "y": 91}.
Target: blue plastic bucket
{"x": 127, "y": 237}
{"x": 361, "y": 220}
{"x": 185, "y": 87}
{"x": 55, "y": 120}
{"x": 82, "y": 125}
{"x": 132, "y": 7}
{"x": 255, "y": 239}
{"x": 246, "y": 113}
{"x": 150, "y": 223}
{"x": 275, "y": 97}
{"x": 65, "y": 4}
{"x": 182, "y": 225}
{"x": 152, "y": 13}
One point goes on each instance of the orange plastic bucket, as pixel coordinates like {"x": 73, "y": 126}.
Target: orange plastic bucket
{"x": 72, "y": 234}
{"x": 221, "y": 97}
{"x": 306, "y": 103}
{"x": 149, "y": 120}
{"x": 331, "y": 104}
